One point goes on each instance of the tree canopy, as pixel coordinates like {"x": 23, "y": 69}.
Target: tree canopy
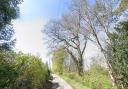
{"x": 9, "y": 10}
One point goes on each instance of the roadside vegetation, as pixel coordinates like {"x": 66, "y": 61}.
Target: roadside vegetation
{"x": 22, "y": 71}
{"x": 96, "y": 77}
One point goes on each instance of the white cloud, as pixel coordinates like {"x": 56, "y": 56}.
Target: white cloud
{"x": 29, "y": 37}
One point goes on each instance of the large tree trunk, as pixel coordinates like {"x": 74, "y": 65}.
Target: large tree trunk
{"x": 78, "y": 62}
{"x": 80, "y": 69}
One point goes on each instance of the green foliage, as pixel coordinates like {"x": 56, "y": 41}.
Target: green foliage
{"x": 33, "y": 71}
{"x": 6, "y": 35}
{"x": 71, "y": 78}
{"x": 96, "y": 77}
{"x": 118, "y": 54}
{"x": 58, "y": 58}
{"x": 20, "y": 71}
{"x": 8, "y": 71}
{"x": 9, "y": 10}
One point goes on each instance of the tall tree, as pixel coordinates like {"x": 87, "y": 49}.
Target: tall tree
{"x": 98, "y": 19}
{"x": 68, "y": 31}
{"x": 85, "y": 21}
{"x": 9, "y": 10}
{"x": 118, "y": 54}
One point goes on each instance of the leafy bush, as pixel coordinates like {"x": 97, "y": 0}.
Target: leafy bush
{"x": 20, "y": 71}
{"x": 97, "y": 77}
{"x": 8, "y": 71}
{"x": 96, "y": 81}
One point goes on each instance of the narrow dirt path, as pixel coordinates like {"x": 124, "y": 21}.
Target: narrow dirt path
{"x": 59, "y": 83}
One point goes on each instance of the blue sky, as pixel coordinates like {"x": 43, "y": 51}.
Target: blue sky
{"x": 45, "y": 9}
{"x": 34, "y": 15}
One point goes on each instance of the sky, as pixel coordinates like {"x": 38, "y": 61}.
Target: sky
{"x": 34, "y": 15}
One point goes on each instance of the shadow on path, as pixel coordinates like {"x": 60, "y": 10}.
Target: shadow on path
{"x": 55, "y": 85}
{"x": 59, "y": 83}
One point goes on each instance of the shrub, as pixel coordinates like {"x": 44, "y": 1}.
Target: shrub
{"x": 21, "y": 71}
{"x": 97, "y": 77}
{"x": 8, "y": 71}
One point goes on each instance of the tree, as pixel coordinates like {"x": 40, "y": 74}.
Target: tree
{"x": 68, "y": 31}
{"x": 69, "y": 65}
{"x": 118, "y": 54}
{"x": 85, "y": 21}
{"x": 9, "y": 10}
{"x": 6, "y": 41}
{"x": 98, "y": 19}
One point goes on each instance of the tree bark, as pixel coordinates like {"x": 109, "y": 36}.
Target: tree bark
{"x": 80, "y": 68}
{"x": 79, "y": 63}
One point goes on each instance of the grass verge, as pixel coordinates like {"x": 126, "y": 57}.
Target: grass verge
{"x": 75, "y": 84}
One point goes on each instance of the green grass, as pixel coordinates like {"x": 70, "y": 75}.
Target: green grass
{"x": 96, "y": 77}
{"x": 75, "y": 84}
